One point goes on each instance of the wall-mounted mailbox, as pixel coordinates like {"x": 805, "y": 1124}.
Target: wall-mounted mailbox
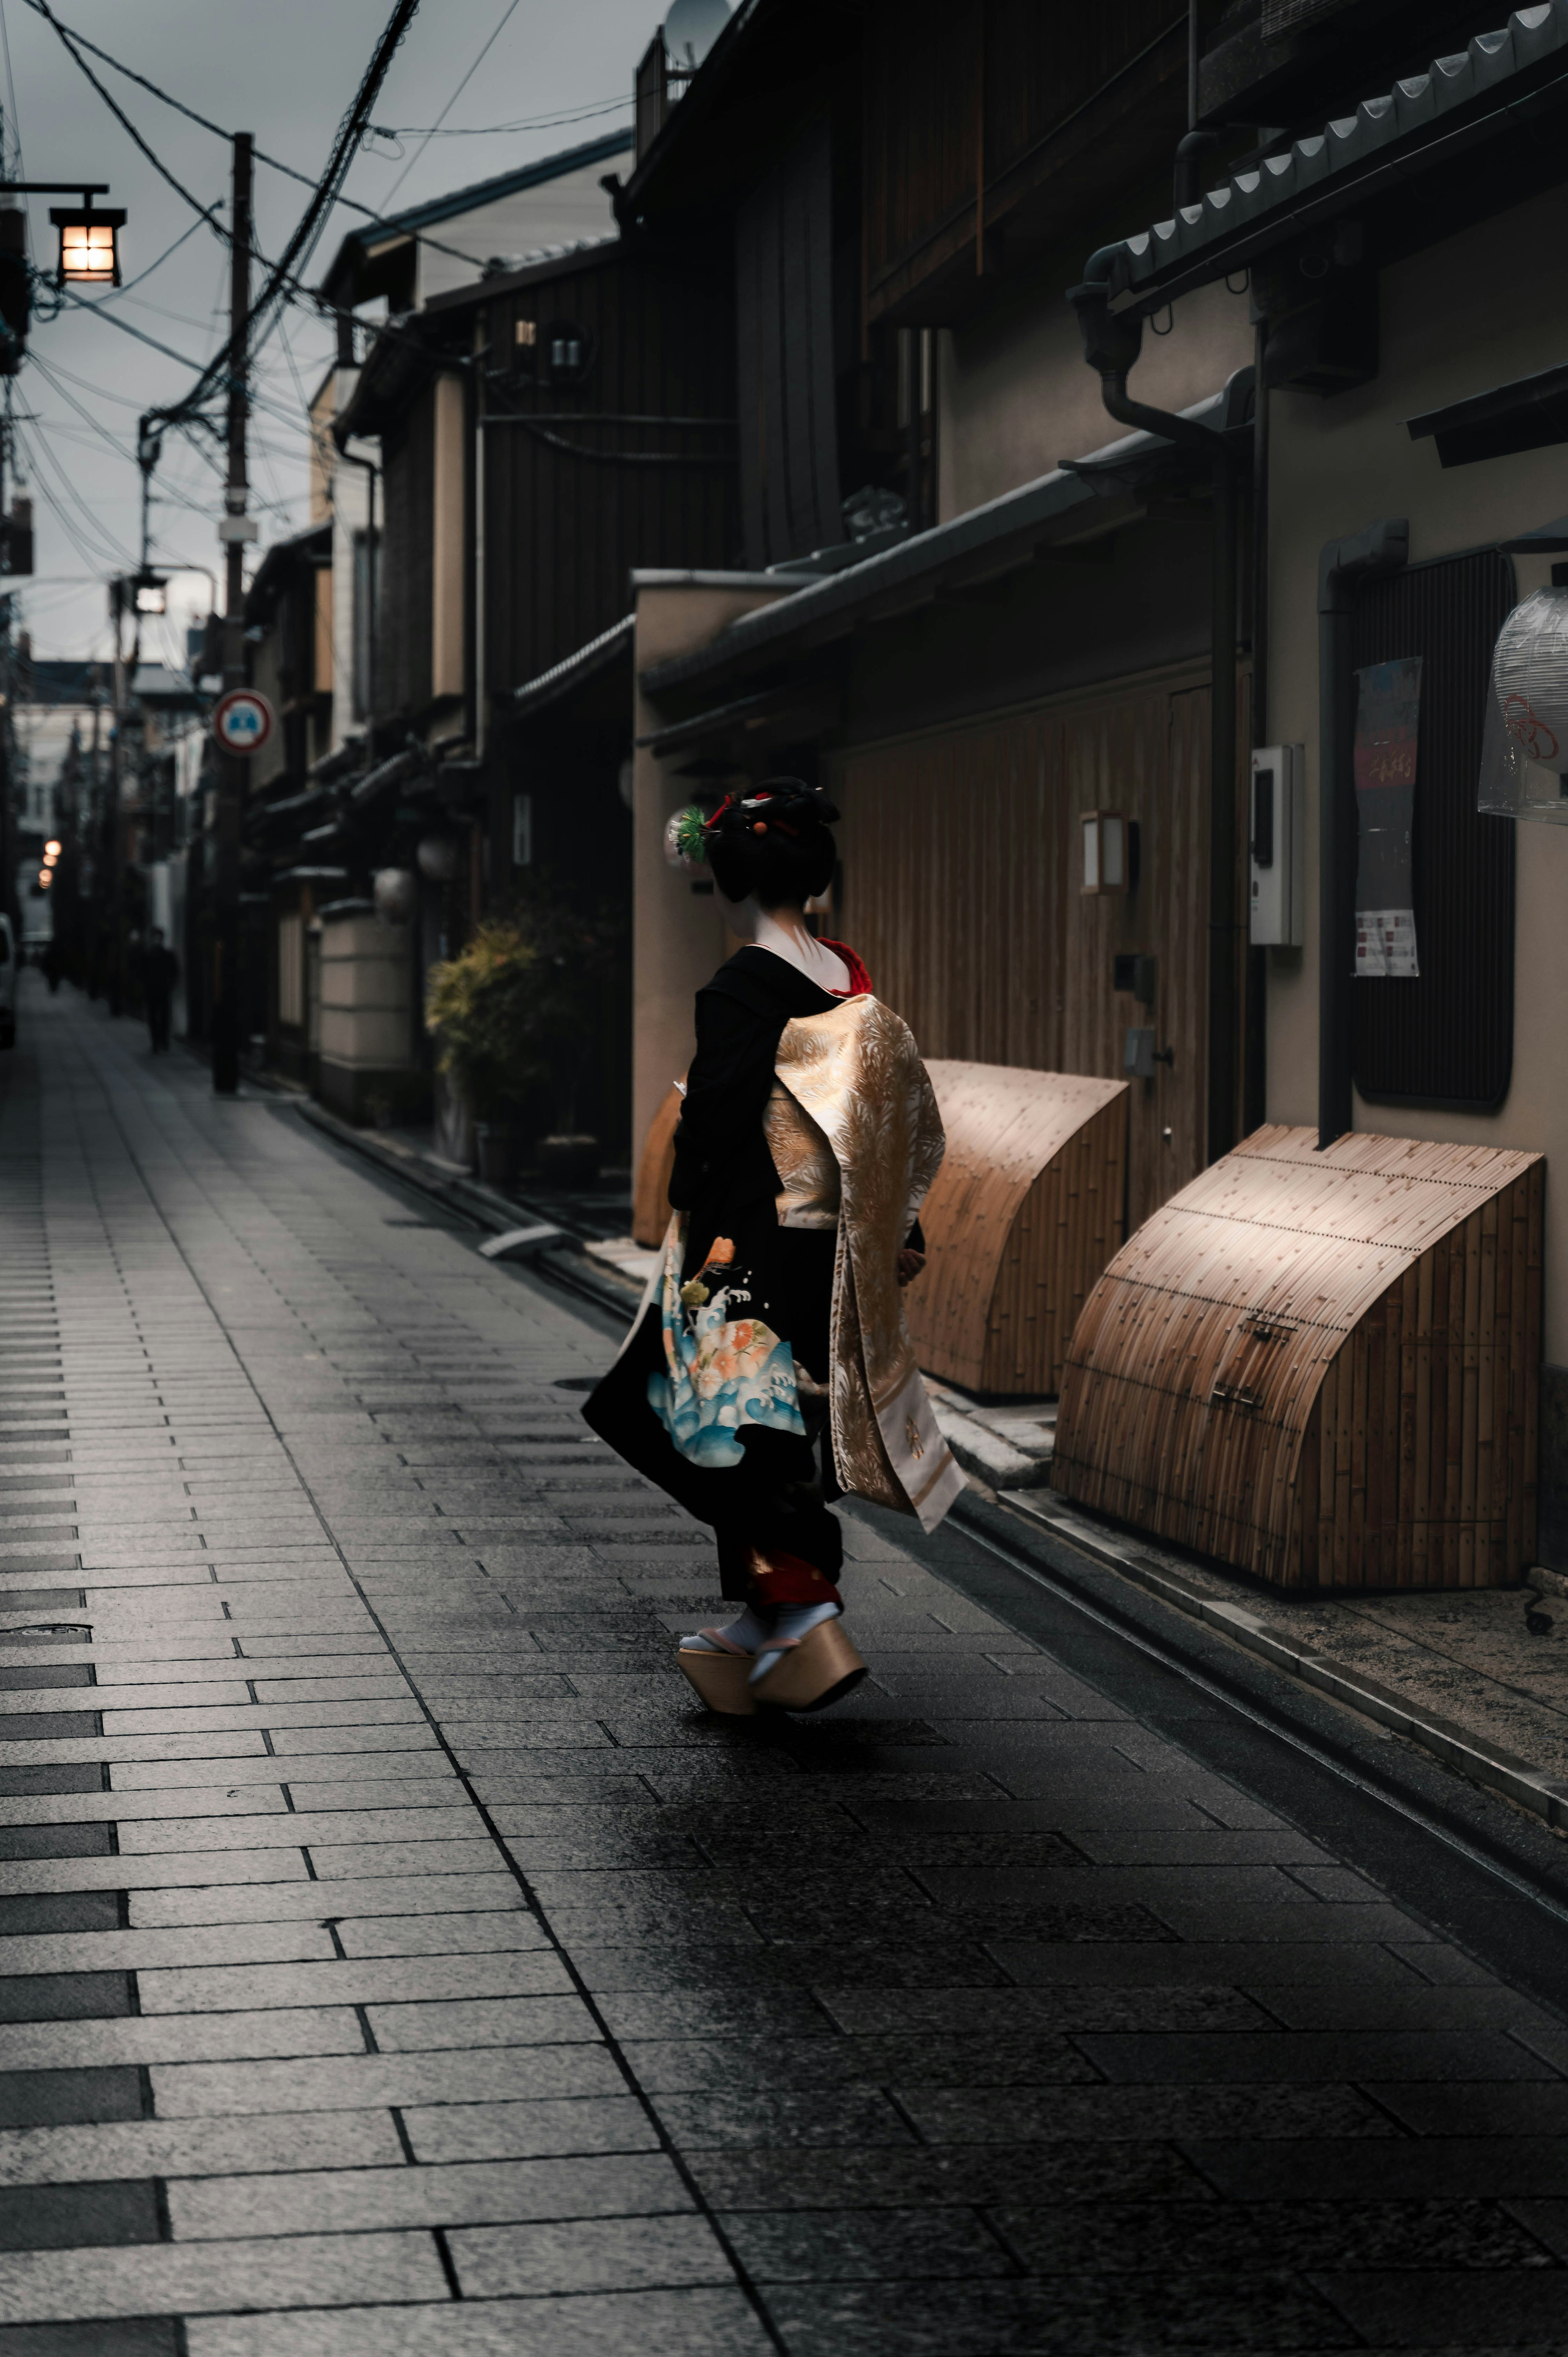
{"x": 1277, "y": 848}
{"x": 1132, "y": 973}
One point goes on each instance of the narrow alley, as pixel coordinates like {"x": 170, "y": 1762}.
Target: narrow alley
{"x": 396, "y": 1960}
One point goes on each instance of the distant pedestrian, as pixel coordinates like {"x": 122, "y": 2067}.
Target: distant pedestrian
{"x": 160, "y": 972}
{"x": 50, "y": 964}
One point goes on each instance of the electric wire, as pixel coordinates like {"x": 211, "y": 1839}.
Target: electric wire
{"x": 12, "y": 145}
{"x": 118, "y": 112}
{"x": 495, "y": 130}
{"x": 350, "y": 204}
{"x": 509, "y": 13}
{"x": 308, "y": 230}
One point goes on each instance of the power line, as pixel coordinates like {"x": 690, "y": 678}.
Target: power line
{"x": 495, "y": 130}
{"x": 308, "y": 228}
{"x": 13, "y": 119}
{"x": 274, "y": 163}
{"x": 118, "y": 112}
{"x": 509, "y": 13}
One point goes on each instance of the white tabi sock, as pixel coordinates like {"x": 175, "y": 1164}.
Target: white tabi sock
{"x": 747, "y": 1632}
{"x": 795, "y": 1620}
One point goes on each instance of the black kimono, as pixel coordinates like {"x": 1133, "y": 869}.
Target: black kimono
{"x": 778, "y": 1544}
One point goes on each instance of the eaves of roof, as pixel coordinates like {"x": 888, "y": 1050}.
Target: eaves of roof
{"x": 979, "y": 545}
{"x": 314, "y": 543}
{"x": 452, "y": 207}
{"x": 585, "y": 662}
{"x": 550, "y": 261}
{"x": 398, "y": 367}
{"x": 1430, "y": 118}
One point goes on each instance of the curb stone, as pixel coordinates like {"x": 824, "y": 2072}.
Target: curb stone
{"x": 1457, "y": 1747}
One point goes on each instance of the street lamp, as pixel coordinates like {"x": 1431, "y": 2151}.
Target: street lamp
{"x": 89, "y": 248}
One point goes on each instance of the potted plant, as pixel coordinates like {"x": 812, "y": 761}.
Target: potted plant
{"x": 483, "y": 1006}
{"x": 519, "y": 1007}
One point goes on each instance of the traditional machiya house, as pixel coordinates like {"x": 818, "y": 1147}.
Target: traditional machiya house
{"x": 1154, "y": 693}
{"x": 374, "y": 613}
{"x": 288, "y": 629}
{"x": 974, "y": 606}
{"x": 541, "y": 434}
{"x": 1379, "y": 1392}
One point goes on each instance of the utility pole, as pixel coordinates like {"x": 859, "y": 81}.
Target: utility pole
{"x": 235, "y": 530}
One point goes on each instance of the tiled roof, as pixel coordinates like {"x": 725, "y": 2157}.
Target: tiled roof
{"x": 1282, "y": 183}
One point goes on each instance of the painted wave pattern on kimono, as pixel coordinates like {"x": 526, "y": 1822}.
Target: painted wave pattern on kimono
{"x": 722, "y": 1370}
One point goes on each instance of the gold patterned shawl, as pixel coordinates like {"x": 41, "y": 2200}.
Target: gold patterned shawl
{"x": 854, "y": 1095}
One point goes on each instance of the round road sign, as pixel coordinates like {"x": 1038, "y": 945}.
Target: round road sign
{"x": 242, "y": 720}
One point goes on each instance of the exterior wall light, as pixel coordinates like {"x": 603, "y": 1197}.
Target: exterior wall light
{"x": 88, "y": 246}
{"x": 1110, "y": 851}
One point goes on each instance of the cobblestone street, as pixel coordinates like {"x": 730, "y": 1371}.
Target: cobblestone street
{"x": 397, "y": 1962}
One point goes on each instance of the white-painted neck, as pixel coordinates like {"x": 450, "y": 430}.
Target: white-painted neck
{"x": 784, "y": 932}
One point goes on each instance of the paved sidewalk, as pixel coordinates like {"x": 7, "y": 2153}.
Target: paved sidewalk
{"x": 398, "y": 1965}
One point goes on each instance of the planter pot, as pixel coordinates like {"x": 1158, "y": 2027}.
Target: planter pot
{"x": 500, "y": 1150}
{"x": 568, "y": 1161}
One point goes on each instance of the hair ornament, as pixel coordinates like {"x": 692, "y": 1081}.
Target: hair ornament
{"x": 685, "y": 840}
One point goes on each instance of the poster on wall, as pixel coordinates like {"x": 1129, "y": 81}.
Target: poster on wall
{"x": 1388, "y": 716}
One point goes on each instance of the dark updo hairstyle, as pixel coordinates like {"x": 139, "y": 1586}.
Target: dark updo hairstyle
{"x": 772, "y": 844}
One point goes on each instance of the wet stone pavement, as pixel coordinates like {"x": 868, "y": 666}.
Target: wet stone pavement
{"x": 395, "y": 1960}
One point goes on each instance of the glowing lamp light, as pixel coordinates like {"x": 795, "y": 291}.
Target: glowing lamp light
{"x": 88, "y": 246}
{"x": 1105, "y": 862}
{"x": 45, "y": 877}
{"x": 152, "y": 594}
{"x": 52, "y": 852}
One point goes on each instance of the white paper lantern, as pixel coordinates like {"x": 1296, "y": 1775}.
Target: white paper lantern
{"x": 397, "y": 893}
{"x": 1530, "y": 678}
{"x": 437, "y": 858}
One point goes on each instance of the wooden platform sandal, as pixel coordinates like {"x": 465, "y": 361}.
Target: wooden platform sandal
{"x": 719, "y": 1669}
{"x": 813, "y": 1671}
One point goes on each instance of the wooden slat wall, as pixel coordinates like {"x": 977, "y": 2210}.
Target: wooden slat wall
{"x": 562, "y": 529}
{"x": 961, "y": 90}
{"x": 961, "y": 863}
{"x": 788, "y": 434}
{"x": 1323, "y": 1367}
{"x": 1024, "y": 1213}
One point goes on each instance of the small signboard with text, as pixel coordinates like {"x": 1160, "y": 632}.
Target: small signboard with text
{"x": 1388, "y": 715}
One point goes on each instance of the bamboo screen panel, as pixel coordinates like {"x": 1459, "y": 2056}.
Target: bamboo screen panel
{"x": 1024, "y": 1213}
{"x": 1323, "y": 1367}
{"x": 962, "y": 875}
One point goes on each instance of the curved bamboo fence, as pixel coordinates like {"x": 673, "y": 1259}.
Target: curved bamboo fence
{"x": 1026, "y": 1211}
{"x": 1323, "y": 1368}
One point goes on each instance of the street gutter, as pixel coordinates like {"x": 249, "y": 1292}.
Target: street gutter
{"x": 1021, "y": 1519}
{"x": 565, "y": 1262}
{"x": 1457, "y": 1748}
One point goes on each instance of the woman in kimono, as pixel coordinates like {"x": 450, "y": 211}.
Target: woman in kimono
{"x": 808, "y": 1138}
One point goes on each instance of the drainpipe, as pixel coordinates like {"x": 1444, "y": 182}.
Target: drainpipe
{"x": 1383, "y": 547}
{"x": 1254, "y": 1048}
{"x": 1112, "y": 345}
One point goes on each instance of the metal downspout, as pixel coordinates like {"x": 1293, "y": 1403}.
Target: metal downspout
{"x": 1383, "y": 547}
{"x": 1254, "y": 1025}
{"x": 1112, "y": 346}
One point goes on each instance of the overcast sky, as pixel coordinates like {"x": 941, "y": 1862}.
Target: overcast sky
{"x": 284, "y": 69}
